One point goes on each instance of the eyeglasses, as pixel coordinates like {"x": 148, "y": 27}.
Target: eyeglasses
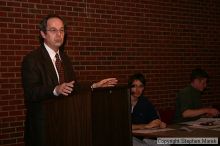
{"x": 55, "y": 31}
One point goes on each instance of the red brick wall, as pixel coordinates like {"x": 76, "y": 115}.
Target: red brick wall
{"x": 164, "y": 39}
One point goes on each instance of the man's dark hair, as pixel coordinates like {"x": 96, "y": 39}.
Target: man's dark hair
{"x": 198, "y": 73}
{"x": 43, "y": 25}
{"x": 137, "y": 76}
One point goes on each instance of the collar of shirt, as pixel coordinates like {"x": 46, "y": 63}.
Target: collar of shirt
{"x": 51, "y": 52}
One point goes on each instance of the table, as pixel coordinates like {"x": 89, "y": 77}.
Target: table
{"x": 178, "y": 132}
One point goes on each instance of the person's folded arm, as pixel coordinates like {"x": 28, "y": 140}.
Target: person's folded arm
{"x": 138, "y": 126}
{"x": 153, "y": 124}
{"x": 197, "y": 112}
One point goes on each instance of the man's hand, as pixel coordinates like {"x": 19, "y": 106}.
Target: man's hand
{"x": 211, "y": 112}
{"x": 65, "y": 88}
{"x": 109, "y": 82}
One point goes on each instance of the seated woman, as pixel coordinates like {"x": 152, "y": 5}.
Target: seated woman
{"x": 143, "y": 113}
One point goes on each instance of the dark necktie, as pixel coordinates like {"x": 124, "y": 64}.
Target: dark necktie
{"x": 59, "y": 67}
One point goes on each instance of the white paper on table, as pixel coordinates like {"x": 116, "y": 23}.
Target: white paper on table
{"x": 197, "y": 123}
{"x": 151, "y": 130}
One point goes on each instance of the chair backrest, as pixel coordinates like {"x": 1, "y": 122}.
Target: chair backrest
{"x": 167, "y": 115}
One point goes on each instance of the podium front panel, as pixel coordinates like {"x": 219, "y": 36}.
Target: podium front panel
{"x": 68, "y": 120}
{"x": 111, "y": 124}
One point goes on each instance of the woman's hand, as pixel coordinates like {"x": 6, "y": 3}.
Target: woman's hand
{"x": 155, "y": 123}
{"x": 138, "y": 126}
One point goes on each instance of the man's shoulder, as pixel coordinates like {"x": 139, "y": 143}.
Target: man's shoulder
{"x": 186, "y": 93}
{"x": 34, "y": 56}
{"x": 34, "y": 52}
{"x": 186, "y": 89}
{"x": 37, "y": 52}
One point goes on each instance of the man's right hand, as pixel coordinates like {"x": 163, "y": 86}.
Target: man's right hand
{"x": 211, "y": 112}
{"x": 65, "y": 88}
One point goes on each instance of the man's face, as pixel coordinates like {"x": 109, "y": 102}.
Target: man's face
{"x": 137, "y": 88}
{"x": 200, "y": 83}
{"x": 54, "y": 35}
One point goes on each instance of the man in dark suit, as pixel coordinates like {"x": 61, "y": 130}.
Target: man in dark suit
{"x": 43, "y": 80}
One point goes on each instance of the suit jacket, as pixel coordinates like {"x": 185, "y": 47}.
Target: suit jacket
{"x": 39, "y": 80}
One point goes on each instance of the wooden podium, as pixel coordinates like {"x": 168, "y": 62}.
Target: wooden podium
{"x": 98, "y": 117}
